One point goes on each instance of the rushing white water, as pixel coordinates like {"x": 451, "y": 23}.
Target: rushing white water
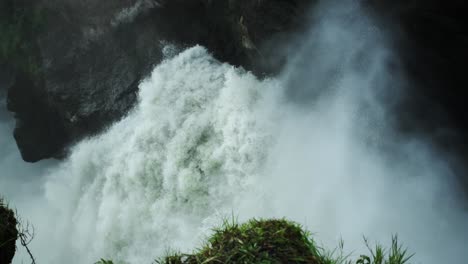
{"x": 207, "y": 140}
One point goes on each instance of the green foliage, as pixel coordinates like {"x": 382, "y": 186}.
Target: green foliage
{"x": 257, "y": 241}
{"x": 378, "y": 255}
{"x": 103, "y": 261}
{"x": 278, "y": 241}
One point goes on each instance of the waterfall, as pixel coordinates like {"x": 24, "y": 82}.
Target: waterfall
{"x": 207, "y": 140}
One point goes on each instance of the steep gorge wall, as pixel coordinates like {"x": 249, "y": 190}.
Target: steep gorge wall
{"x": 85, "y": 59}
{"x": 91, "y": 56}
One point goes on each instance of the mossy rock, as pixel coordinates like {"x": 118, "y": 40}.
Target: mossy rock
{"x": 20, "y": 22}
{"x": 277, "y": 241}
{"x": 8, "y": 233}
{"x": 257, "y": 241}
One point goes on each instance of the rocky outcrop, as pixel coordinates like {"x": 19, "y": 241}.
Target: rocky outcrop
{"x": 91, "y": 55}
{"x": 83, "y": 60}
{"x": 8, "y": 234}
{"x": 90, "y": 61}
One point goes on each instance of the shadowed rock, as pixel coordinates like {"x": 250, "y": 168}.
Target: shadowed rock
{"x": 90, "y": 57}
{"x": 83, "y": 60}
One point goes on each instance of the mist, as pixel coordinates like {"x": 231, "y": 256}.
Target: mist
{"x": 317, "y": 144}
{"x": 339, "y": 165}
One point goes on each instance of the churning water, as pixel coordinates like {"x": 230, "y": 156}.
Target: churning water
{"x": 208, "y": 140}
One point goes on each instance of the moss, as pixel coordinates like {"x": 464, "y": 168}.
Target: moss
{"x": 257, "y": 241}
{"x": 278, "y": 241}
{"x": 8, "y": 233}
{"x": 20, "y": 24}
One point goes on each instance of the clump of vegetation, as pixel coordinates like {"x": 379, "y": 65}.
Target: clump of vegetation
{"x": 378, "y": 255}
{"x": 11, "y": 230}
{"x": 257, "y": 241}
{"x": 8, "y": 233}
{"x": 103, "y": 261}
{"x": 276, "y": 241}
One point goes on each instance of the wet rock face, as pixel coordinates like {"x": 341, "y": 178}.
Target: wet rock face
{"x": 242, "y": 32}
{"x": 8, "y": 234}
{"x": 92, "y": 54}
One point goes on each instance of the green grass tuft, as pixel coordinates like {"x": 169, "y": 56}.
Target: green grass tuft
{"x": 276, "y": 241}
{"x": 378, "y": 255}
{"x": 103, "y": 261}
{"x": 257, "y": 241}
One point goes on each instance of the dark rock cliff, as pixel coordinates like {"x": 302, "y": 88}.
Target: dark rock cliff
{"x": 89, "y": 56}
{"x": 89, "y": 63}
{"x": 81, "y": 61}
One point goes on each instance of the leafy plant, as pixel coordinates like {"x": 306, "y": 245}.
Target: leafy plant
{"x": 278, "y": 241}
{"x": 378, "y": 255}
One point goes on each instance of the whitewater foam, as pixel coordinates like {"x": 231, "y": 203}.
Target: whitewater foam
{"x": 197, "y": 140}
{"x": 208, "y": 140}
